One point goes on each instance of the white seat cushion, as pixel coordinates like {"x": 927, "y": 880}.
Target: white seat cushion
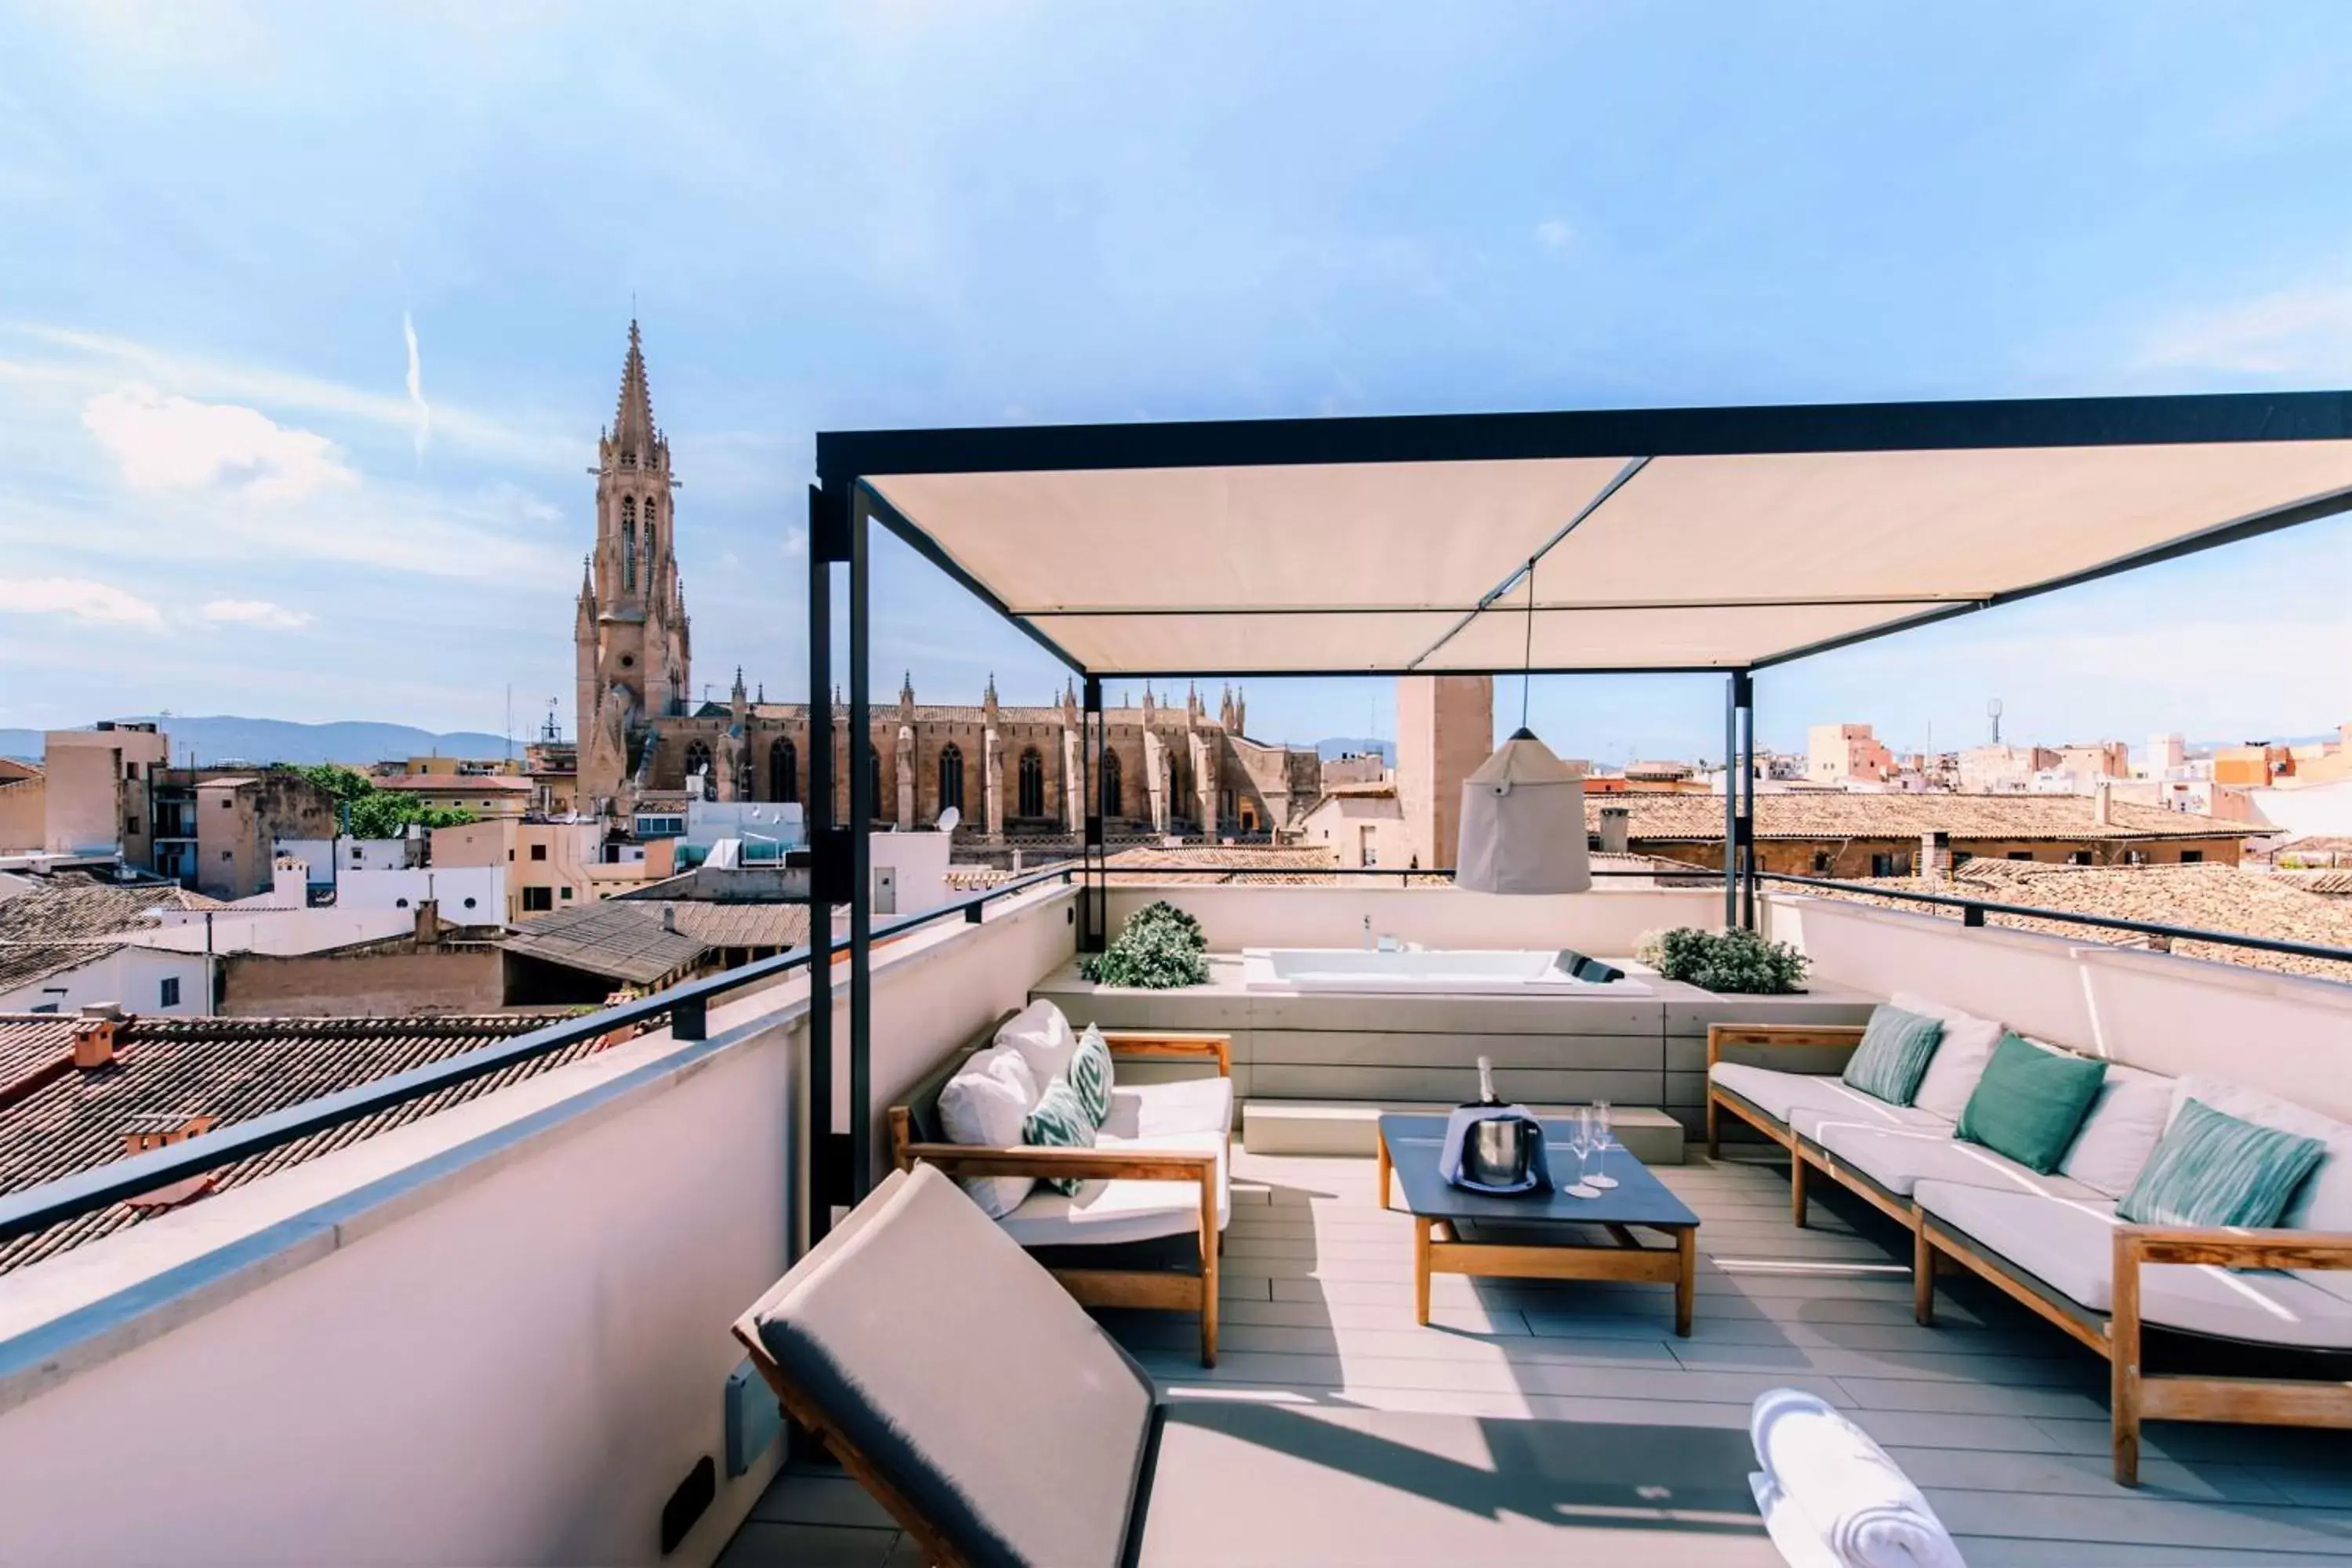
{"x": 967, "y": 1377}
{"x": 1778, "y": 1094}
{"x": 1961, "y": 1057}
{"x": 1855, "y": 1109}
{"x": 2069, "y": 1244}
{"x": 1900, "y": 1158}
{"x": 2121, "y": 1130}
{"x": 1103, "y": 1213}
{"x": 1149, "y": 1111}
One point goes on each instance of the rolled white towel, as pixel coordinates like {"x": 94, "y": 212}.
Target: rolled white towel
{"x": 1831, "y": 1496}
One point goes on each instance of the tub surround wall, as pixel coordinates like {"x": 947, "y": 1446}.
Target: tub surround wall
{"x": 1547, "y": 1049}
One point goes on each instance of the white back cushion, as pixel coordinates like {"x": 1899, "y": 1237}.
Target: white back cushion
{"x": 2131, "y": 1113}
{"x": 1044, "y": 1038}
{"x": 1961, "y": 1057}
{"x": 983, "y": 1105}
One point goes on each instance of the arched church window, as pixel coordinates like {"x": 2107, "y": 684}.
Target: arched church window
{"x": 1110, "y": 783}
{"x": 1032, "y": 784}
{"x": 784, "y": 773}
{"x": 697, "y": 761}
{"x": 628, "y": 542}
{"x": 950, "y": 776}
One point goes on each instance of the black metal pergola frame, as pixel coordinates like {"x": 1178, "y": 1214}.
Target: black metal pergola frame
{"x": 845, "y": 501}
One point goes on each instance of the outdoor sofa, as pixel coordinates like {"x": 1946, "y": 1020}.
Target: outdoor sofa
{"x": 2259, "y": 1320}
{"x": 1148, "y": 1221}
{"x": 998, "y": 1424}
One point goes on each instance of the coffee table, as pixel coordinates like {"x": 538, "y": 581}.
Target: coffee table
{"x": 1551, "y": 1236}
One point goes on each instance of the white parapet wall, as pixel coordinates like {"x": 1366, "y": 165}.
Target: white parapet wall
{"x": 1605, "y": 923}
{"x": 496, "y": 1335}
{"x": 2287, "y": 1034}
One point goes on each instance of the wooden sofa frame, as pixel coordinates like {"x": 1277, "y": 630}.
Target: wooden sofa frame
{"x": 2117, "y": 1335}
{"x": 1171, "y": 1290}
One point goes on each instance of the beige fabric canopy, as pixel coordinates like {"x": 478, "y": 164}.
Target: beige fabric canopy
{"x": 1648, "y": 556}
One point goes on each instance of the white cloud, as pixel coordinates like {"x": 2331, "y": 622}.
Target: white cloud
{"x": 257, "y": 613}
{"x": 2304, "y": 333}
{"x": 165, "y": 443}
{"x": 416, "y": 387}
{"x": 1555, "y": 234}
{"x": 79, "y": 599}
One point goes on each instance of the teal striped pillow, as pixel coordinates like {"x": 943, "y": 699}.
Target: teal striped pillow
{"x": 1895, "y": 1049}
{"x": 1090, "y": 1074}
{"x": 2212, "y": 1169}
{"x": 1059, "y": 1123}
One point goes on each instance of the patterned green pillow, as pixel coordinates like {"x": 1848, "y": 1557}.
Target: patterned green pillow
{"x": 1059, "y": 1123}
{"x": 2212, "y": 1168}
{"x": 1090, "y": 1074}
{"x": 1895, "y": 1049}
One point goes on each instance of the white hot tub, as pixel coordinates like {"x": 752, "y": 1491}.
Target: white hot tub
{"x": 1439, "y": 973}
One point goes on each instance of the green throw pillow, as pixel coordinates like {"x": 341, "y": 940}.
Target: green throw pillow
{"x": 1090, "y": 1074}
{"x": 2031, "y": 1103}
{"x": 1895, "y": 1049}
{"x": 2211, "y": 1168}
{"x": 1059, "y": 1123}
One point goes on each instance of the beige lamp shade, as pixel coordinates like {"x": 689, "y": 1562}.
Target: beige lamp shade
{"x": 1523, "y": 824}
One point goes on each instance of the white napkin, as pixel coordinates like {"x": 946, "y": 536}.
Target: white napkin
{"x": 1830, "y": 1497}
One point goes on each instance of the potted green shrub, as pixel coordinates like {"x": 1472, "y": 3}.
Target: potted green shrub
{"x": 1161, "y": 949}
{"x": 1732, "y": 961}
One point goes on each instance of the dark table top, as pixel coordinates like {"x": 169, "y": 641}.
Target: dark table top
{"x": 1638, "y": 1198}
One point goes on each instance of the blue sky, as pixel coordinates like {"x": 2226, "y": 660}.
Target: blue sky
{"x": 222, "y": 494}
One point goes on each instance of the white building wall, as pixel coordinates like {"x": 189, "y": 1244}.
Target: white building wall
{"x": 467, "y": 895}
{"x": 132, "y": 977}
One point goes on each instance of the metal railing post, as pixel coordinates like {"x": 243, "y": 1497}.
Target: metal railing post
{"x": 862, "y": 783}
{"x": 822, "y": 546}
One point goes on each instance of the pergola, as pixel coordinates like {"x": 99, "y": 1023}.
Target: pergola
{"x": 1691, "y": 540}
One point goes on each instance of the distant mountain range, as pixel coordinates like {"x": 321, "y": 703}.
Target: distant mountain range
{"x": 1343, "y": 745}
{"x": 224, "y": 738}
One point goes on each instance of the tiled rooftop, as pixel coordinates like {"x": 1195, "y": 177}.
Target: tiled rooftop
{"x": 628, "y": 940}
{"x": 2207, "y": 897}
{"x": 1839, "y": 814}
{"x": 60, "y": 1120}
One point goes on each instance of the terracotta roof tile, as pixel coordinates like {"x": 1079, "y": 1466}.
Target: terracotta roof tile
{"x": 1826, "y": 814}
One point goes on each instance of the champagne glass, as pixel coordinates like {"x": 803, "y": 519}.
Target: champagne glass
{"x": 1602, "y": 1143}
{"x": 1579, "y": 1144}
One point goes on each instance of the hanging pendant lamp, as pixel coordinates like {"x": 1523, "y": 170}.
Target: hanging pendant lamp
{"x": 1523, "y": 810}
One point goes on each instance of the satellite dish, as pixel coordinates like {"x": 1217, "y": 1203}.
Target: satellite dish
{"x": 950, "y": 819}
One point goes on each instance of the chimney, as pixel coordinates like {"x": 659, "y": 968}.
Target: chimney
{"x": 1935, "y": 856}
{"x": 93, "y": 1040}
{"x": 1616, "y": 830}
{"x": 2103, "y": 814}
{"x": 669, "y": 917}
{"x": 428, "y": 922}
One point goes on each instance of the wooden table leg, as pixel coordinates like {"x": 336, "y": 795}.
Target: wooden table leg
{"x": 1686, "y": 1285}
{"x": 1380, "y": 1167}
{"x": 1421, "y": 1270}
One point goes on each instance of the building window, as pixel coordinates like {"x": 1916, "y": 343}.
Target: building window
{"x": 950, "y": 776}
{"x": 1367, "y": 849}
{"x": 1032, "y": 784}
{"x": 538, "y": 900}
{"x": 566, "y": 893}
{"x": 784, "y": 773}
{"x": 1110, "y": 783}
{"x": 2079, "y": 857}
{"x": 538, "y": 851}
{"x": 2191, "y": 857}
{"x": 227, "y": 855}
{"x": 225, "y": 803}
{"x": 697, "y": 761}
{"x": 1881, "y": 864}
{"x": 628, "y": 544}
{"x": 2021, "y": 854}
{"x": 1821, "y": 862}
{"x": 131, "y": 826}
{"x": 169, "y": 994}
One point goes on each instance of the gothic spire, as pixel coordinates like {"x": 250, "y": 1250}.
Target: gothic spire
{"x": 633, "y": 418}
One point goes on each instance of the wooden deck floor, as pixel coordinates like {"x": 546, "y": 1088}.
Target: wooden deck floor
{"x": 1999, "y": 1418}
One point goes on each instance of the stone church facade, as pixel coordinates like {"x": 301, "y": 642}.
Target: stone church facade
{"x": 1168, "y": 767}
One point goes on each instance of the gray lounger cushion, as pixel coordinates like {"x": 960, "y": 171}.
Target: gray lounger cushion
{"x": 966, "y": 1375}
